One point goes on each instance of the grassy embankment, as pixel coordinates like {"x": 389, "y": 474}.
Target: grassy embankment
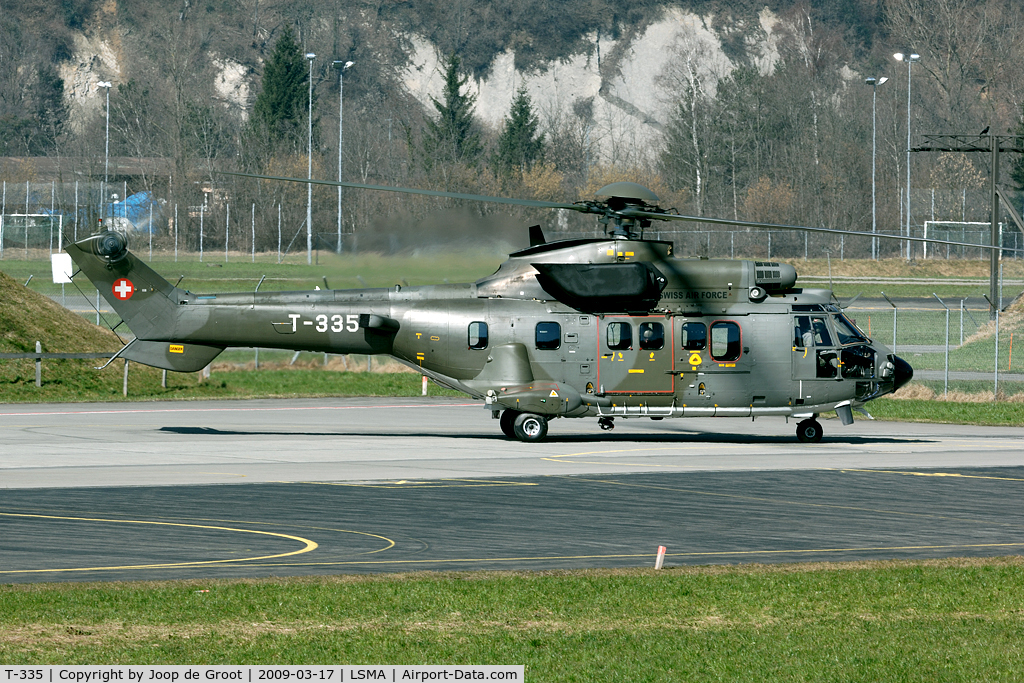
{"x": 949, "y": 620}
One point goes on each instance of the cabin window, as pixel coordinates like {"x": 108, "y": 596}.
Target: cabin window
{"x": 619, "y": 336}
{"x": 478, "y": 335}
{"x": 652, "y": 336}
{"x": 725, "y": 341}
{"x": 549, "y": 335}
{"x": 695, "y": 336}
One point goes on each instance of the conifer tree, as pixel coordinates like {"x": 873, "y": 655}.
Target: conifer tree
{"x": 280, "y": 108}
{"x": 519, "y": 146}
{"x": 452, "y": 138}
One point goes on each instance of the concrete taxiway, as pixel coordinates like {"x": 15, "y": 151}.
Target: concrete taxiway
{"x": 365, "y": 439}
{"x": 258, "y": 488}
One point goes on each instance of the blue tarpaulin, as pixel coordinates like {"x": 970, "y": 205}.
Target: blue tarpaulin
{"x": 136, "y": 209}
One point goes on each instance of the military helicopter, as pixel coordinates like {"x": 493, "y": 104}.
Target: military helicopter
{"x": 608, "y": 328}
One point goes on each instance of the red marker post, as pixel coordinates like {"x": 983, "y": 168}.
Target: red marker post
{"x": 660, "y": 561}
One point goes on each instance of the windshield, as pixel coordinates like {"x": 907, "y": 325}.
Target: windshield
{"x": 847, "y": 331}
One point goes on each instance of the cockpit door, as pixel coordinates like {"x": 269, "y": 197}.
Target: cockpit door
{"x": 815, "y": 355}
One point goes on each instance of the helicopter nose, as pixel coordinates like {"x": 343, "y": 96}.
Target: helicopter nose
{"x": 902, "y": 372}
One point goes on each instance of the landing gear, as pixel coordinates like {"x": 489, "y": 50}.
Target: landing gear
{"x": 530, "y": 428}
{"x": 809, "y": 431}
{"x": 507, "y": 421}
{"x": 606, "y": 423}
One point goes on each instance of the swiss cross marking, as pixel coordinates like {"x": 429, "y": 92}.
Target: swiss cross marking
{"x": 123, "y": 289}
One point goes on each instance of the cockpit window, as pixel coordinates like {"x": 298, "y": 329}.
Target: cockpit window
{"x": 821, "y": 333}
{"x": 847, "y": 331}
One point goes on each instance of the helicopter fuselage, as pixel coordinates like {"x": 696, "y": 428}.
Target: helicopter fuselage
{"x": 646, "y": 335}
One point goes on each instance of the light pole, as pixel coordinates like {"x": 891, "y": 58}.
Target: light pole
{"x": 309, "y": 167}
{"x": 341, "y": 67}
{"x": 874, "y": 83}
{"x": 106, "y": 151}
{"x": 909, "y": 59}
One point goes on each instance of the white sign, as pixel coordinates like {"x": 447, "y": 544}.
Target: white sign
{"x": 62, "y": 268}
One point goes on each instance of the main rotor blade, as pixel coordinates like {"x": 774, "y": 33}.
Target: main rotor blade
{"x": 776, "y": 226}
{"x": 538, "y": 204}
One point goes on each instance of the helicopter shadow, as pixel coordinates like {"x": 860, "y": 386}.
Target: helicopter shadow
{"x": 745, "y": 439}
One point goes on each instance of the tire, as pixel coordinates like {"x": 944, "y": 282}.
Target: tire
{"x": 507, "y": 421}
{"x": 809, "y": 431}
{"x": 531, "y": 428}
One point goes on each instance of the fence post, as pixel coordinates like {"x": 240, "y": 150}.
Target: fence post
{"x": 945, "y": 383}
{"x": 39, "y": 365}
{"x": 895, "y": 311}
{"x": 961, "y": 322}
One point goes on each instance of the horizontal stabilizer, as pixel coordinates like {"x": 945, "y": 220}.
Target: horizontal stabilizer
{"x": 170, "y": 355}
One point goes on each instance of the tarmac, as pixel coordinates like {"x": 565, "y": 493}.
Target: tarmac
{"x": 294, "y": 487}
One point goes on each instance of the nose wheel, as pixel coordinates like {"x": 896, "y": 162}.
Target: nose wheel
{"x": 530, "y": 428}
{"x": 606, "y": 423}
{"x": 809, "y": 431}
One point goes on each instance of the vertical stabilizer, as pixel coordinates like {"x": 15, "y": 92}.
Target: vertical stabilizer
{"x": 145, "y": 301}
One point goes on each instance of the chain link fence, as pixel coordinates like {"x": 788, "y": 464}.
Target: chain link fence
{"x": 43, "y": 216}
{"x": 959, "y": 349}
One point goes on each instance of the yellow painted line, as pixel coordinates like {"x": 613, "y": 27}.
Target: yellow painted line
{"x": 709, "y": 553}
{"x": 403, "y": 484}
{"x": 924, "y": 474}
{"x": 309, "y": 545}
{"x": 390, "y": 543}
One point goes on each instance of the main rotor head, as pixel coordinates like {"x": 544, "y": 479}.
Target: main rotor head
{"x": 624, "y": 208}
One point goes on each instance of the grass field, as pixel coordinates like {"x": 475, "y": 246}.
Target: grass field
{"x": 948, "y": 620}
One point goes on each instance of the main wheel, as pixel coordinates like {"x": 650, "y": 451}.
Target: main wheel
{"x": 530, "y": 427}
{"x": 809, "y": 431}
{"x": 507, "y": 421}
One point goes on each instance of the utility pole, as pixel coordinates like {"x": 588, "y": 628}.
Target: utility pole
{"x": 993, "y": 145}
